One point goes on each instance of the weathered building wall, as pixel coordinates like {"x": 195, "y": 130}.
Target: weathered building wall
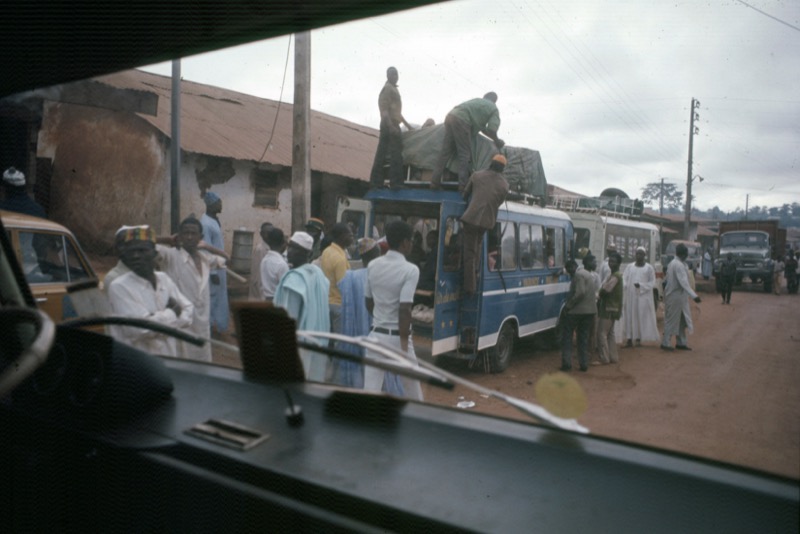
{"x": 238, "y": 195}
{"x": 112, "y": 169}
{"x": 108, "y": 170}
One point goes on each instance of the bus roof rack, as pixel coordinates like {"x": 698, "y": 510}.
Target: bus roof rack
{"x": 615, "y": 207}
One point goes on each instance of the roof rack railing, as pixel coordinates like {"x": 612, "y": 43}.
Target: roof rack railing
{"x": 615, "y": 207}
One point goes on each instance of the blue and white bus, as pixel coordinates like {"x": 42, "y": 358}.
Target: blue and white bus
{"x": 522, "y": 284}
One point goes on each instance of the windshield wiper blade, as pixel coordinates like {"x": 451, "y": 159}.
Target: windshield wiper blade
{"x": 532, "y": 410}
{"x": 399, "y": 366}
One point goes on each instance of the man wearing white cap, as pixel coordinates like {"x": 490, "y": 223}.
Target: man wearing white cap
{"x": 638, "y": 311}
{"x": 121, "y": 267}
{"x": 303, "y": 293}
{"x": 16, "y": 196}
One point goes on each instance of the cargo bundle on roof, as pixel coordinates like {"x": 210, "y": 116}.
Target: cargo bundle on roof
{"x": 524, "y": 172}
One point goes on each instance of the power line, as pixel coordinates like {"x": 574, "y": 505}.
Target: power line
{"x": 280, "y": 100}
{"x": 770, "y": 16}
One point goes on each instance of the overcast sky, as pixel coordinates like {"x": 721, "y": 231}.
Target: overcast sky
{"x": 602, "y": 88}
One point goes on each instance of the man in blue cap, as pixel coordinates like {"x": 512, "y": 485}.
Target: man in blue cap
{"x": 218, "y": 281}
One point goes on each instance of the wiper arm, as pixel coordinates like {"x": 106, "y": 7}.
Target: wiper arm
{"x": 395, "y": 364}
{"x": 133, "y": 321}
{"x": 533, "y": 410}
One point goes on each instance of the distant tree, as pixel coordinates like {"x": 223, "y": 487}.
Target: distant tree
{"x": 673, "y": 198}
{"x": 717, "y": 214}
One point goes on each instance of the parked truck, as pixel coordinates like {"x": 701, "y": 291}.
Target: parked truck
{"x": 753, "y": 245}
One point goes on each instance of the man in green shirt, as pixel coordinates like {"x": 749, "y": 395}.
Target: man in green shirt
{"x": 461, "y": 127}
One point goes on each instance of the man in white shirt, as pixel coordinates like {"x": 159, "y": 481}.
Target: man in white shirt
{"x": 273, "y": 266}
{"x": 257, "y": 255}
{"x": 188, "y": 263}
{"x": 389, "y": 294}
{"x": 145, "y": 293}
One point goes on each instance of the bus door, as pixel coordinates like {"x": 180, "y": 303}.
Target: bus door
{"x": 447, "y": 295}
{"x": 355, "y": 212}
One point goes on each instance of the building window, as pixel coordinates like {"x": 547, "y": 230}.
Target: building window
{"x": 266, "y": 189}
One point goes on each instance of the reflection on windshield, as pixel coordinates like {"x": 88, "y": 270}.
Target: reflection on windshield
{"x": 756, "y": 240}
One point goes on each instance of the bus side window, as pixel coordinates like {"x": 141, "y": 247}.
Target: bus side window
{"x": 558, "y": 240}
{"x": 492, "y": 248}
{"x": 452, "y": 245}
{"x": 525, "y": 253}
{"x": 508, "y": 246}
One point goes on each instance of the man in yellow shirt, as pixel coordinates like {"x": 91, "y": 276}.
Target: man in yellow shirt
{"x": 334, "y": 263}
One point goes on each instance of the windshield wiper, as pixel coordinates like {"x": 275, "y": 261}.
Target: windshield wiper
{"x": 533, "y": 410}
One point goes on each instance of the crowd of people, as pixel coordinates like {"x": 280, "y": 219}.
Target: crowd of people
{"x": 600, "y": 302}
{"x": 171, "y": 280}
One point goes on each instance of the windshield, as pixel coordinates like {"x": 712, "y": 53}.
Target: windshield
{"x": 744, "y": 239}
{"x": 103, "y": 163}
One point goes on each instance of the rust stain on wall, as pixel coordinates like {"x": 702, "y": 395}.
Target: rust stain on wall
{"x": 108, "y": 170}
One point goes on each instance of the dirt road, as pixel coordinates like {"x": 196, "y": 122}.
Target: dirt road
{"x": 733, "y": 398}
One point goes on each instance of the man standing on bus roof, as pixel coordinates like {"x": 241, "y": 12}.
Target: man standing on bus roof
{"x": 461, "y": 127}
{"x": 486, "y": 191}
{"x": 580, "y": 311}
{"x": 390, "y": 141}
{"x": 639, "y": 314}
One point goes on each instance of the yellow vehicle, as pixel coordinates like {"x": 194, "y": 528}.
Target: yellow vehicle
{"x": 51, "y": 260}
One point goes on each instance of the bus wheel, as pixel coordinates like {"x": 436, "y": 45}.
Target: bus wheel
{"x": 500, "y": 354}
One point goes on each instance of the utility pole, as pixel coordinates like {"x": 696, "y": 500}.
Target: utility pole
{"x": 746, "y": 205}
{"x": 175, "y": 149}
{"x": 692, "y": 131}
{"x": 661, "y": 212}
{"x": 301, "y": 122}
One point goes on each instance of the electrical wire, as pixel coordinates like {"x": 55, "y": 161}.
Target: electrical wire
{"x": 280, "y": 99}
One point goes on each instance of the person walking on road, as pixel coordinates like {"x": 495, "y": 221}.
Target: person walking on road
{"x": 677, "y": 313}
{"x": 639, "y": 313}
{"x": 727, "y": 278}
{"x": 777, "y": 271}
{"x": 581, "y": 309}
{"x": 273, "y": 266}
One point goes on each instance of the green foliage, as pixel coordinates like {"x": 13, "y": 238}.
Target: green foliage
{"x": 673, "y": 197}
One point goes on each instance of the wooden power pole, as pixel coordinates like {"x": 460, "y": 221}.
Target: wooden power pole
{"x": 301, "y": 122}
{"x": 692, "y": 132}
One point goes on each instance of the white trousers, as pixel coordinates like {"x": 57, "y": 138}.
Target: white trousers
{"x": 373, "y": 377}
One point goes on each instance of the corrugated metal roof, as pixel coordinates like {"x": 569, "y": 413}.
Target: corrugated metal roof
{"x": 221, "y": 122}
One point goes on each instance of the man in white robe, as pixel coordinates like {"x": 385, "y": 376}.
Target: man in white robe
{"x": 638, "y": 312}
{"x": 145, "y": 293}
{"x": 677, "y": 313}
{"x": 188, "y": 262}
